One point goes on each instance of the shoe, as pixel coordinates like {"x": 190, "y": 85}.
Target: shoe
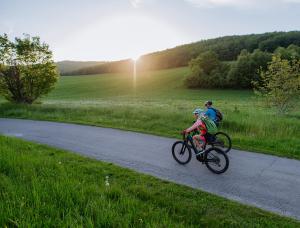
{"x": 199, "y": 152}
{"x": 200, "y": 157}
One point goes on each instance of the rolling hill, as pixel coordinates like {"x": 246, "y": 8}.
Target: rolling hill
{"x": 68, "y": 66}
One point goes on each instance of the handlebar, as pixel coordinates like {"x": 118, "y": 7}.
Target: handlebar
{"x": 184, "y": 136}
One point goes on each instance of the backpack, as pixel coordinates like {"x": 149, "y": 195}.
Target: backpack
{"x": 219, "y": 115}
{"x": 211, "y": 127}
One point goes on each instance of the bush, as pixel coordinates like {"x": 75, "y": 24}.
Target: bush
{"x": 280, "y": 83}
{"x": 27, "y": 70}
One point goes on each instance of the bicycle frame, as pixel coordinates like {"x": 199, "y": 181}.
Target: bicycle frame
{"x": 189, "y": 139}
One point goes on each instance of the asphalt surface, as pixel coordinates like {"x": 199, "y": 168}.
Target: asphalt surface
{"x": 264, "y": 181}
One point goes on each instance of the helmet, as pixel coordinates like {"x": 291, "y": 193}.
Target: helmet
{"x": 198, "y": 111}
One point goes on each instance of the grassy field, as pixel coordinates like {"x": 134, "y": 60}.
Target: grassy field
{"x": 42, "y": 187}
{"x": 161, "y": 105}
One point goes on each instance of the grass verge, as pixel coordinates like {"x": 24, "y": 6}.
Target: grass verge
{"x": 42, "y": 186}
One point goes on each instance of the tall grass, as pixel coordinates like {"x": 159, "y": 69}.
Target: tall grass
{"x": 45, "y": 187}
{"x": 161, "y": 105}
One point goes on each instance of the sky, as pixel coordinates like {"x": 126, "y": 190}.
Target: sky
{"x": 118, "y": 29}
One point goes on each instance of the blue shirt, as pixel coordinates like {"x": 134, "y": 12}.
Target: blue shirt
{"x": 211, "y": 114}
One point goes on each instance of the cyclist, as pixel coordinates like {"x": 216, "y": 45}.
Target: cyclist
{"x": 210, "y": 112}
{"x": 199, "y": 125}
{"x": 214, "y": 114}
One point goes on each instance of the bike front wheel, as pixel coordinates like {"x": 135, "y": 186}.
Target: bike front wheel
{"x": 216, "y": 160}
{"x": 181, "y": 152}
{"x": 222, "y": 141}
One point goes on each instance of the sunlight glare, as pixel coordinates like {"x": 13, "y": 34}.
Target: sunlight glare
{"x": 134, "y": 72}
{"x": 135, "y": 58}
{"x": 120, "y": 36}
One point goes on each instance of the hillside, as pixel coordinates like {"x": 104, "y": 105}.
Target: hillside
{"x": 67, "y": 66}
{"x": 227, "y": 48}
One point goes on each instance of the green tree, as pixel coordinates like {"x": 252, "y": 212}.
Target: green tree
{"x": 246, "y": 68}
{"x": 280, "y": 83}
{"x": 27, "y": 70}
{"x": 208, "y": 61}
{"x": 207, "y": 72}
{"x": 289, "y": 53}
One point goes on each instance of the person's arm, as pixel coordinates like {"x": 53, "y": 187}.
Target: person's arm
{"x": 194, "y": 126}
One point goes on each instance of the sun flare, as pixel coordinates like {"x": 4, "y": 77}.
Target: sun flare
{"x": 135, "y": 58}
{"x": 121, "y": 36}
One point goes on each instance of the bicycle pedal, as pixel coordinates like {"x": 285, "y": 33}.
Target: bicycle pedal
{"x": 200, "y": 157}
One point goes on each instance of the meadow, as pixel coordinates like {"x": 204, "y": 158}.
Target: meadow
{"x": 45, "y": 187}
{"x": 161, "y": 105}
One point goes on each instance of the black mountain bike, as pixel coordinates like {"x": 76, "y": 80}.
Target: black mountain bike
{"x": 214, "y": 158}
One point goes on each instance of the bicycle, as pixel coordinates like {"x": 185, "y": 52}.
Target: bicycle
{"x": 220, "y": 140}
{"x": 214, "y": 158}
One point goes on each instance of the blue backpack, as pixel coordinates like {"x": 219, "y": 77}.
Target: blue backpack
{"x": 219, "y": 115}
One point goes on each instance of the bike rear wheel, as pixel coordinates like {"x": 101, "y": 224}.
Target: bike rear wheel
{"x": 216, "y": 160}
{"x": 222, "y": 141}
{"x": 181, "y": 152}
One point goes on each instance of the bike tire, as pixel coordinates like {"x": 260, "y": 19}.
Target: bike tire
{"x": 181, "y": 145}
{"x": 228, "y": 142}
{"x": 219, "y": 153}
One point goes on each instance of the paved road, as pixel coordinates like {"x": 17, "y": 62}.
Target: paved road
{"x": 268, "y": 182}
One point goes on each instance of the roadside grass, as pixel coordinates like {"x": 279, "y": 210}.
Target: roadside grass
{"x": 161, "y": 105}
{"x": 42, "y": 186}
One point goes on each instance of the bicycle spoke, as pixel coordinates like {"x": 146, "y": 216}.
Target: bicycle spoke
{"x": 181, "y": 152}
{"x": 223, "y": 141}
{"x": 214, "y": 159}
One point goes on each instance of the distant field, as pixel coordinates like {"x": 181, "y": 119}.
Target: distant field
{"x": 161, "y": 105}
{"x": 46, "y": 187}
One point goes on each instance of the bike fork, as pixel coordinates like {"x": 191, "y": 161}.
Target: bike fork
{"x": 183, "y": 148}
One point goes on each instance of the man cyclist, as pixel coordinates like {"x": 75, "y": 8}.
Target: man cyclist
{"x": 211, "y": 112}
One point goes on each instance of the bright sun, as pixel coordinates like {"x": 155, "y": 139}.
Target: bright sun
{"x": 135, "y": 57}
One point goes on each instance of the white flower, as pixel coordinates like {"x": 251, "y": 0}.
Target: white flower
{"x": 106, "y": 181}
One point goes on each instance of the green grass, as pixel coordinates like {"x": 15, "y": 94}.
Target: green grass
{"x": 42, "y": 187}
{"x": 161, "y": 105}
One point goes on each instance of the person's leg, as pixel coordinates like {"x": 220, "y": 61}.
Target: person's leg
{"x": 209, "y": 138}
{"x": 196, "y": 139}
{"x": 199, "y": 141}
{"x": 202, "y": 140}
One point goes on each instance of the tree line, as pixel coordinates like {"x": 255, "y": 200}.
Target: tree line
{"x": 208, "y": 71}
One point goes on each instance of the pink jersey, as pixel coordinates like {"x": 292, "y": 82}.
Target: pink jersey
{"x": 199, "y": 125}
